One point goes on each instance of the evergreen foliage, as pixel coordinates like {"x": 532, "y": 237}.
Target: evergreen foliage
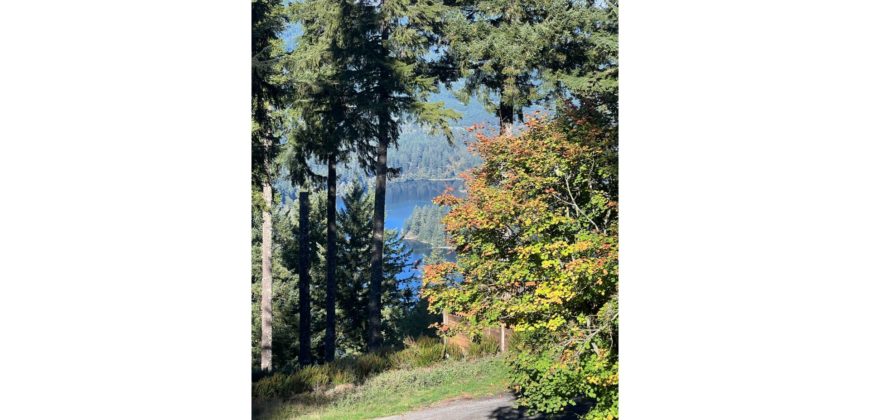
{"x": 354, "y": 222}
{"x": 402, "y": 34}
{"x": 268, "y": 97}
{"x": 420, "y": 155}
{"x": 269, "y": 88}
{"x": 424, "y": 225}
{"x": 536, "y": 237}
{"x": 512, "y": 54}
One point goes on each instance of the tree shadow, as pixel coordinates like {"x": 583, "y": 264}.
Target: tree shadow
{"x": 571, "y": 412}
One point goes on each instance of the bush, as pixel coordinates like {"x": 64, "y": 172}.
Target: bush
{"x": 429, "y": 355}
{"x": 315, "y": 376}
{"x": 424, "y": 351}
{"x": 282, "y": 385}
{"x": 486, "y": 346}
{"x": 278, "y": 385}
{"x": 454, "y": 352}
{"x": 548, "y": 381}
{"x": 369, "y": 364}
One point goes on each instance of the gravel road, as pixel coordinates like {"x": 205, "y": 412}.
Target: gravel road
{"x": 497, "y": 407}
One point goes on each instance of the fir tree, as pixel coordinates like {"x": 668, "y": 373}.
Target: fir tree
{"x": 354, "y": 222}
{"x": 333, "y": 117}
{"x": 522, "y": 52}
{"x": 268, "y": 97}
{"x": 400, "y": 35}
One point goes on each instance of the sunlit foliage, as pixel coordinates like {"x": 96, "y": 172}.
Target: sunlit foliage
{"x": 536, "y": 241}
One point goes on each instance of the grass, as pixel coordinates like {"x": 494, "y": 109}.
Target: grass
{"x": 396, "y": 391}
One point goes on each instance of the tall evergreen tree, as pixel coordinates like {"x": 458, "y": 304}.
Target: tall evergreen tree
{"x": 355, "y": 228}
{"x": 333, "y": 116}
{"x": 400, "y": 35}
{"x": 513, "y": 54}
{"x": 268, "y": 96}
{"x": 304, "y": 283}
{"x": 355, "y": 222}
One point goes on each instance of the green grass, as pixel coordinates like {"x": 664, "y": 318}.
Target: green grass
{"x": 398, "y": 391}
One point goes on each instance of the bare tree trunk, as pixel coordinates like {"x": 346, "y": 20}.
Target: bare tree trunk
{"x": 506, "y": 119}
{"x": 304, "y": 283}
{"x": 377, "y": 275}
{"x": 266, "y": 298}
{"x": 329, "y": 340}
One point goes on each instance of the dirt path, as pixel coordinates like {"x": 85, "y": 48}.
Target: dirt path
{"x": 497, "y": 407}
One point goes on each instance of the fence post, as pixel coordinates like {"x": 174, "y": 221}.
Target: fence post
{"x": 444, "y": 320}
{"x": 502, "y": 346}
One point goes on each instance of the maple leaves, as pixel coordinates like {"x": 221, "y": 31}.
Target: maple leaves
{"x": 537, "y": 247}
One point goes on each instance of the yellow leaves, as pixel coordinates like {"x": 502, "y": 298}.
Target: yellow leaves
{"x": 554, "y": 323}
{"x": 553, "y": 293}
{"x": 550, "y": 263}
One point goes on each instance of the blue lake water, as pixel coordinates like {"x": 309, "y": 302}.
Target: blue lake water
{"x": 401, "y": 199}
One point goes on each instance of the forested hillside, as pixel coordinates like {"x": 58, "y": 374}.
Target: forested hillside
{"x": 351, "y": 102}
{"x": 421, "y": 155}
{"x": 424, "y": 225}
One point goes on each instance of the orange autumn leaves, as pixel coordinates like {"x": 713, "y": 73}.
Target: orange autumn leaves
{"x": 536, "y": 238}
{"x": 536, "y": 234}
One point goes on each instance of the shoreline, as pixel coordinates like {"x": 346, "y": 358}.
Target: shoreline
{"x": 428, "y": 179}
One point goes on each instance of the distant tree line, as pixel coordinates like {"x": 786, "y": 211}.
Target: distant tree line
{"x": 424, "y": 225}
{"x": 359, "y": 74}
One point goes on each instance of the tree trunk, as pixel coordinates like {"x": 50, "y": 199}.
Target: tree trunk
{"x": 266, "y": 298}
{"x": 304, "y": 282}
{"x": 506, "y": 119}
{"x": 329, "y": 340}
{"x": 377, "y": 274}
{"x": 375, "y": 337}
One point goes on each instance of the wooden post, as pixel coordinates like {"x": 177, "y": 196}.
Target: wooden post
{"x": 502, "y": 347}
{"x": 444, "y": 320}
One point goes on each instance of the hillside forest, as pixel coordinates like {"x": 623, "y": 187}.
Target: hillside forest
{"x": 518, "y": 101}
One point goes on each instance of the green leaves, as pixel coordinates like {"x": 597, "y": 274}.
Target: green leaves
{"x": 537, "y": 249}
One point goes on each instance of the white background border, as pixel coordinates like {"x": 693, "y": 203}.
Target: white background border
{"x": 125, "y": 214}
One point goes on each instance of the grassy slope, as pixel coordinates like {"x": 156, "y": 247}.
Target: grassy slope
{"x": 399, "y": 391}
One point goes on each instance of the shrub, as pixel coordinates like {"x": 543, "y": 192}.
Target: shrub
{"x": 281, "y": 385}
{"x": 278, "y": 385}
{"x": 424, "y": 351}
{"x": 454, "y": 352}
{"x": 424, "y": 341}
{"x": 548, "y": 380}
{"x": 428, "y": 355}
{"x": 485, "y": 346}
{"x": 369, "y": 364}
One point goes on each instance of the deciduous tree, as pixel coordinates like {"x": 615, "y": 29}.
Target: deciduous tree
{"x": 536, "y": 242}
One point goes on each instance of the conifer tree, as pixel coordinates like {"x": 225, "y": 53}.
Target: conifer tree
{"x": 334, "y": 122}
{"x": 304, "y": 283}
{"x": 522, "y": 52}
{"x": 355, "y": 222}
{"x": 355, "y": 228}
{"x": 268, "y": 98}
{"x": 401, "y": 71}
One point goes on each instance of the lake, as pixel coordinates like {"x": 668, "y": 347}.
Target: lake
{"x": 401, "y": 199}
